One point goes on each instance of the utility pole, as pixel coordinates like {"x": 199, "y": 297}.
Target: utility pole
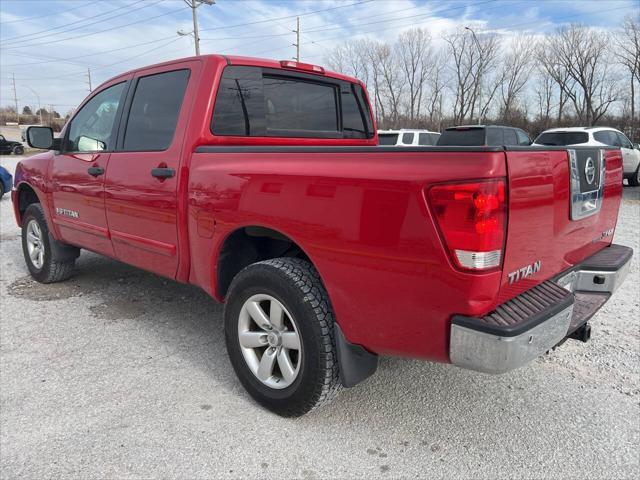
{"x": 39, "y": 106}
{"x": 15, "y": 97}
{"x": 479, "y": 74}
{"x": 297, "y": 44}
{"x": 194, "y": 4}
{"x": 89, "y": 79}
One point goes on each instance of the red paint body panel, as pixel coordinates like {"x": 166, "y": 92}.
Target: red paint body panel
{"x": 361, "y": 217}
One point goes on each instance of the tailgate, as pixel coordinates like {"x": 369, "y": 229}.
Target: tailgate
{"x": 563, "y": 207}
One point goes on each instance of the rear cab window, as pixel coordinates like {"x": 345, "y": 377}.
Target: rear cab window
{"x": 256, "y": 101}
{"x": 562, "y": 138}
{"x": 464, "y": 137}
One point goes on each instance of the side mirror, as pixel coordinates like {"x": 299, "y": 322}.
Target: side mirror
{"x": 40, "y": 137}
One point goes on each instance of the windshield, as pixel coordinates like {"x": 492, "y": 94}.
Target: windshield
{"x": 562, "y": 138}
{"x": 387, "y": 138}
{"x": 468, "y": 137}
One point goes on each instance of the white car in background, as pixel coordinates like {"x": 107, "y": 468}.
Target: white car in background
{"x": 597, "y": 136}
{"x": 407, "y": 137}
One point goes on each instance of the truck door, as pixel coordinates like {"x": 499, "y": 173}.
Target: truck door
{"x": 142, "y": 176}
{"x": 77, "y": 171}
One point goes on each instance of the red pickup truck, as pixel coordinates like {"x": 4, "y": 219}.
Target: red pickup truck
{"x": 261, "y": 182}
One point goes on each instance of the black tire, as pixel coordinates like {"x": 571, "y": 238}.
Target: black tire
{"x": 634, "y": 180}
{"x": 18, "y": 150}
{"x": 50, "y": 271}
{"x": 1, "y": 190}
{"x": 296, "y": 284}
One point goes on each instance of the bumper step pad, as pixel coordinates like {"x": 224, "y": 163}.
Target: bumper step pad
{"x": 521, "y": 313}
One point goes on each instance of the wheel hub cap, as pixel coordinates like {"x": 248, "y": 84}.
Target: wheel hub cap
{"x": 35, "y": 244}
{"x": 269, "y": 341}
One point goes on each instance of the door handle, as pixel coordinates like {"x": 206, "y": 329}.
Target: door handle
{"x": 95, "y": 171}
{"x": 163, "y": 172}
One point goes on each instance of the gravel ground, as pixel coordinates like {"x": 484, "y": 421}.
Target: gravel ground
{"x": 118, "y": 373}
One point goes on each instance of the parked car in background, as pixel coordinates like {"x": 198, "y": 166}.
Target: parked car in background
{"x": 6, "y": 181}
{"x": 407, "y": 138}
{"x": 483, "y": 135}
{"x": 597, "y": 136}
{"x": 8, "y": 147}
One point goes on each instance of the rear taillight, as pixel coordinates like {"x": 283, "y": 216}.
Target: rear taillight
{"x": 472, "y": 220}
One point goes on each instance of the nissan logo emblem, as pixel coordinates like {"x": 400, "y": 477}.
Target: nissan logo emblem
{"x": 589, "y": 171}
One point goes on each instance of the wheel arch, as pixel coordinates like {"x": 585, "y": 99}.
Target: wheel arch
{"x": 25, "y": 195}
{"x": 248, "y": 244}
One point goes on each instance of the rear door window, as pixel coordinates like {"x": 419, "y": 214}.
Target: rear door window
{"x": 510, "y": 137}
{"x": 428, "y": 138}
{"x": 154, "y": 111}
{"x": 523, "y": 138}
{"x": 495, "y": 137}
{"x": 624, "y": 141}
{"x": 407, "y": 138}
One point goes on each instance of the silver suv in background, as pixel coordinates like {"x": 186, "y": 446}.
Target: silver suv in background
{"x": 407, "y": 138}
{"x": 596, "y": 136}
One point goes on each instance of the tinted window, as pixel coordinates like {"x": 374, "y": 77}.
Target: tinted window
{"x": 624, "y": 141}
{"x": 562, "y": 138}
{"x": 428, "y": 138}
{"x": 523, "y": 138}
{"x": 154, "y": 111}
{"x": 352, "y": 115}
{"x": 495, "y": 137}
{"x": 605, "y": 137}
{"x": 292, "y": 105}
{"x": 510, "y": 137}
{"x": 252, "y": 101}
{"x": 407, "y": 138}
{"x": 469, "y": 137}
{"x": 239, "y": 106}
{"x": 92, "y": 127}
{"x": 364, "y": 104}
{"x": 387, "y": 138}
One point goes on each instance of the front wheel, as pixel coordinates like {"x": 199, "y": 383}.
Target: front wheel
{"x": 36, "y": 247}
{"x": 634, "y": 180}
{"x": 18, "y": 150}
{"x": 279, "y": 328}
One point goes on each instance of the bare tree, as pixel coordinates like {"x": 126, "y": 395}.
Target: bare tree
{"x": 472, "y": 59}
{"x": 581, "y": 54}
{"x": 414, "y": 51}
{"x": 514, "y": 74}
{"x": 628, "y": 53}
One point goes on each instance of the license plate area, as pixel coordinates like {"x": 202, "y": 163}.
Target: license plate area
{"x": 587, "y": 171}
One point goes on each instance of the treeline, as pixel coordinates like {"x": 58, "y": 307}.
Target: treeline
{"x": 577, "y": 76}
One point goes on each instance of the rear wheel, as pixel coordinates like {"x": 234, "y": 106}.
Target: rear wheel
{"x": 279, "y": 334}
{"x": 634, "y": 180}
{"x": 18, "y": 150}
{"x": 36, "y": 247}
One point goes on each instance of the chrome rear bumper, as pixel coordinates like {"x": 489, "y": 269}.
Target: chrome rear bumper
{"x": 532, "y": 323}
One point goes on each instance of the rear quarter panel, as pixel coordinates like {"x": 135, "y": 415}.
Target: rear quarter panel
{"x": 363, "y": 220}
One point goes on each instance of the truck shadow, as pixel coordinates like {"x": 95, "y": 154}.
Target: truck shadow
{"x": 183, "y": 325}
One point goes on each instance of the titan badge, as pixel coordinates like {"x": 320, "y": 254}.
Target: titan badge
{"x": 525, "y": 272}
{"x": 67, "y": 213}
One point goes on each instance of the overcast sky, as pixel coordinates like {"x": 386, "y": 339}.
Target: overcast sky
{"x": 49, "y": 44}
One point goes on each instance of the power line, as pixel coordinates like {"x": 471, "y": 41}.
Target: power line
{"x": 36, "y": 35}
{"x": 25, "y": 19}
{"x": 98, "y": 31}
